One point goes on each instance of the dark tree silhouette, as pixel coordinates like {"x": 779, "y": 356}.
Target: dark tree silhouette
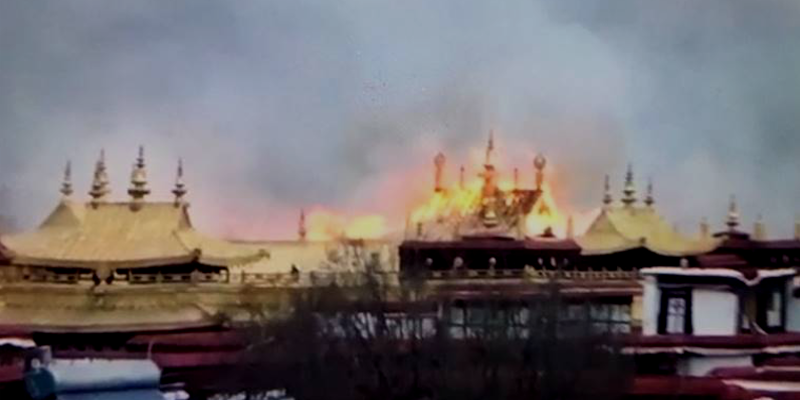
{"x": 384, "y": 339}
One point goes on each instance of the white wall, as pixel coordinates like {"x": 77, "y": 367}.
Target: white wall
{"x": 701, "y": 366}
{"x": 714, "y": 312}
{"x": 792, "y": 309}
{"x": 651, "y": 301}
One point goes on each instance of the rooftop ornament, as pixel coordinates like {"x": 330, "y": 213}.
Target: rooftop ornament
{"x": 649, "y": 200}
{"x": 301, "y": 228}
{"x": 100, "y": 188}
{"x": 138, "y": 189}
{"x": 539, "y": 162}
{"x": 733, "y": 215}
{"x": 607, "y": 198}
{"x": 439, "y": 162}
{"x": 66, "y": 184}
{"x": 180, "y": 187}
{"x": 629, "y": 191}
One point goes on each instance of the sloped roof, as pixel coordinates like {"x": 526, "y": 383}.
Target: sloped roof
{"x": 5, "y": 253}
{"x": 626, "y": 227}
{"x": 324, "y": 256}
{"x": 116, "y": 235}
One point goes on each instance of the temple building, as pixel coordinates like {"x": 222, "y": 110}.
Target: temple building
{"x": 107, "y": 241}
{"x": 486, "y": 207}
{"x": 55, "y": 276}
{"x": 104, "y": 278}
{"x": 479, "y": 240}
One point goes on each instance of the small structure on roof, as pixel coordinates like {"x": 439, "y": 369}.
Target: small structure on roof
{"x": 629, "y": 227}
{"x": 119, "y": 239}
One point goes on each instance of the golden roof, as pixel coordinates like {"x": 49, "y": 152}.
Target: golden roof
{"x": 116, "y": 235}
{"x": 325, "y": 256}
{"x": 627, "y": 227}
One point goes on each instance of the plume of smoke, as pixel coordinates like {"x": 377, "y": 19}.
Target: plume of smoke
{"x": 280, "y": 105}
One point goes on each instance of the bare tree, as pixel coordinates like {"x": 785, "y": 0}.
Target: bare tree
{"x": 390, "y": 340}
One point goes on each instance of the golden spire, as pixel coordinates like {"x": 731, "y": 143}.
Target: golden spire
{"x": 180, "y": 187}
{"x": 759, "y": 229}
{"x": 516, "y": 178}
{"x": 490, "y": 148}
{"x": 66, "y": 185}
{"x": 461, "y": 173}
{"x": 138, "y": 189}
{"x": 607, "y": 199}
{"x": 733, "y": 215}
{"x": 539, "y": 162}
{"x": 649, "y": 200}
{"x": 629, "y": 191}
{"x": 301, "y": 228}
{"x": 439, "y": 162}
{"x": 100, "y": 189}
{"x": 570, "y": 227}
{"x": 705, "y": 229}
{"x": 797, "y": 227}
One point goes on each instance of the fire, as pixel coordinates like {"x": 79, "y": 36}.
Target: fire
{"x": 326, "y": 225}
{"x": 493, "y": 201}
{"x": 544, "y": 215}
{"x": 455, "y": 202}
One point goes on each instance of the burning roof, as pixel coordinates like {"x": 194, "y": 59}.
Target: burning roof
{"x": 485, "y": 206}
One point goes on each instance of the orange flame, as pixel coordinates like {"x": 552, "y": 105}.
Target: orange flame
{"x": 457, "y": 202}
{"x": 544, "y": 215}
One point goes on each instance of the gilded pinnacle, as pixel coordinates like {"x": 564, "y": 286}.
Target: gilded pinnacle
{"x": 180, "y": 187}
{"x": 66, "y": 185}
{"x": 629, "y": 191}
{"x": 138, "y": 189}
{"x": 100, "y": 189}
{"x": 733, "y": 215}
{"x": 607, "y": 199}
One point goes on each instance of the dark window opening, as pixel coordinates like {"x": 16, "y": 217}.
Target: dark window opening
{"x": 675, "y": 316}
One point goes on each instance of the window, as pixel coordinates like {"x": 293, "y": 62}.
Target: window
{"x": 775, "y": 310}
{"x": 770, "y": 315}
{"x": 675, "y": 316}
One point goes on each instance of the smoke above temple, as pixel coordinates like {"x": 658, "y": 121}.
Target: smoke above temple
{"x": 340, "y": 107}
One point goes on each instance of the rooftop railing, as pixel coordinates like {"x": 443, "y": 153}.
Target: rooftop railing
{"x": 324, "y": 278}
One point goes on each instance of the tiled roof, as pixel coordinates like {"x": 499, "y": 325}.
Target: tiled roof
{"x": 117, "y": 235}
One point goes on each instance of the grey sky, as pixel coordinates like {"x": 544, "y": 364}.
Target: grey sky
{"x": 280, "y": 104}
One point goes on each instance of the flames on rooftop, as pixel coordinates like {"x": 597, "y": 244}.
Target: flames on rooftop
{"x": 491, "y": 203}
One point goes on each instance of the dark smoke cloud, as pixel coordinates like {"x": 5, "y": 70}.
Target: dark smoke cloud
{"x": 277, "y": 105}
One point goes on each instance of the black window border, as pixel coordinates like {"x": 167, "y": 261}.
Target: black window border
{"x": 671, "y": 293}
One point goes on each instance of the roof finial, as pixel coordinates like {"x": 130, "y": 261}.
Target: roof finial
{"x": 570, "y": 227}
{"x": 516, "y": 178}
{"x": 539, "y": 162}
{"x": 138, "y": 189}
{"x": 759, "y": 230}
{"x": 705, "y": 229}
{"x": 797, "y": 227}
{"x": 180, "y": 187}
{"x": 66, "y": 185}
{"x": 100, "y": 187}
{"x": 461, "y": 174}
{"x": 490, "y": 147}
{"x": 301, "y": 228}
{"x": 439, "y": 162}
{"x": 649, "y": 200}
{"x": 629, "y": 191}
{"x": 607, "y": 199}
{"x": 733, "y": 215}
